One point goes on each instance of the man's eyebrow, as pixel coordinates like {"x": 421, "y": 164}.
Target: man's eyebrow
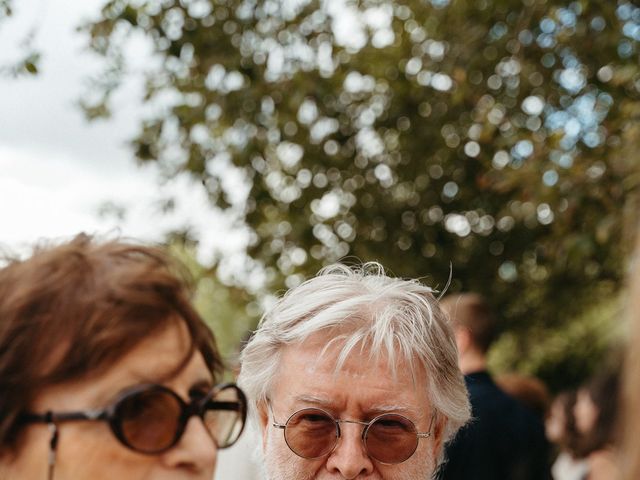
{"x": 314, "y": 400}
{"x": 374, "y": 410}
{"x": 389, "y": 409}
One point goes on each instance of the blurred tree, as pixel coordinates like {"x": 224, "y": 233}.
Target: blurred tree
{"x": 567, "y": 354}
{"x": 28, "y": 57}
{"x": 223, "y": 307}
{"x": 497, "y": 138}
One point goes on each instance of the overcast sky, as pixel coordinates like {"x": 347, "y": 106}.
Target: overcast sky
{"x": 56, "y": 169}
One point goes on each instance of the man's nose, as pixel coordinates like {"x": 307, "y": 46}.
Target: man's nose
{"x": 350, "y": 458}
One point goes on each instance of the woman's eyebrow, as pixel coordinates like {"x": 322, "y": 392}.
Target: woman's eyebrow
{"x": 135, "y": 378}
{"x": 202, "y": 384}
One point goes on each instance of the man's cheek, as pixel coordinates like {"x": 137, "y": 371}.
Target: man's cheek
{"x": 283, "y": 465}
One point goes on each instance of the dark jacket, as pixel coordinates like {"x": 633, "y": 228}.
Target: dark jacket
{"x": 504, "y": 441}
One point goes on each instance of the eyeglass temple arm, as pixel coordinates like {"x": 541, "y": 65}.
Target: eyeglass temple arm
{"x": 51, "y": 417}
{"x": 274, "y": 423}
{"x": 430, "y": 432}
{"x": 234, "y": 406}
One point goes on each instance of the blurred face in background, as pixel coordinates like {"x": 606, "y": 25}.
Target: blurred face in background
{"x": 585, "y": 412}
{"x": 556, "y": 422}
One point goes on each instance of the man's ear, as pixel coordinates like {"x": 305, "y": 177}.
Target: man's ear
{"x": 438, "y": 433}
{"x": 263, "y": 419}
{"x": 463, "y": 339}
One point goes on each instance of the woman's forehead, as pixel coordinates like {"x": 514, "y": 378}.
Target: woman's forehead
{"x": 164, "y": 357}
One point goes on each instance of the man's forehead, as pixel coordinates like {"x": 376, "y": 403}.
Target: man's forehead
{"x": 327, "y": 353}
{"x": 309, "y": 375}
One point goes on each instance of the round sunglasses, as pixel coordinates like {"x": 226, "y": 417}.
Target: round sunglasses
{"x": 389, "y": 438}
{"x": 151, "y": 419}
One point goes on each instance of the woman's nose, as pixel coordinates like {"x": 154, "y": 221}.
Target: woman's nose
{"x": 196, "y": 451}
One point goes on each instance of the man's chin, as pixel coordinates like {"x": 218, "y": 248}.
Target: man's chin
{"x": 292, "y": 473}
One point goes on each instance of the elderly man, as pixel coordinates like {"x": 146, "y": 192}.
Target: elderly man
{"x": 352, "y": 375}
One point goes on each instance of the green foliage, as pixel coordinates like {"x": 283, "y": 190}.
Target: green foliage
{"x": 28, "y": 61}
{"x": 224, "y": 308}
{"x": 499, "y": 137}
{"x": 567, "y": 354}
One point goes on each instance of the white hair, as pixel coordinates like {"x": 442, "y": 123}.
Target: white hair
{"x": 362, "y": 306}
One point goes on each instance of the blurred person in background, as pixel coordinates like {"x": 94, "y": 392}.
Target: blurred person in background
{"x": 505, "y": 440}
{"x": 596, "y": 413}
{"x": 630, "y": 391}
{"x": 560, "y": 428}
{"x": 106, "y": 370}
{"x": 529, "y": 391}
{"x": 353, "y": 374}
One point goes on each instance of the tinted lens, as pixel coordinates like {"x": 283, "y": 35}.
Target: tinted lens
{"x": 224, "y": 415}
{"x": 391, "y": 438}
{"x": 149, "y": 421}
{"x": 311, "y": 433}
